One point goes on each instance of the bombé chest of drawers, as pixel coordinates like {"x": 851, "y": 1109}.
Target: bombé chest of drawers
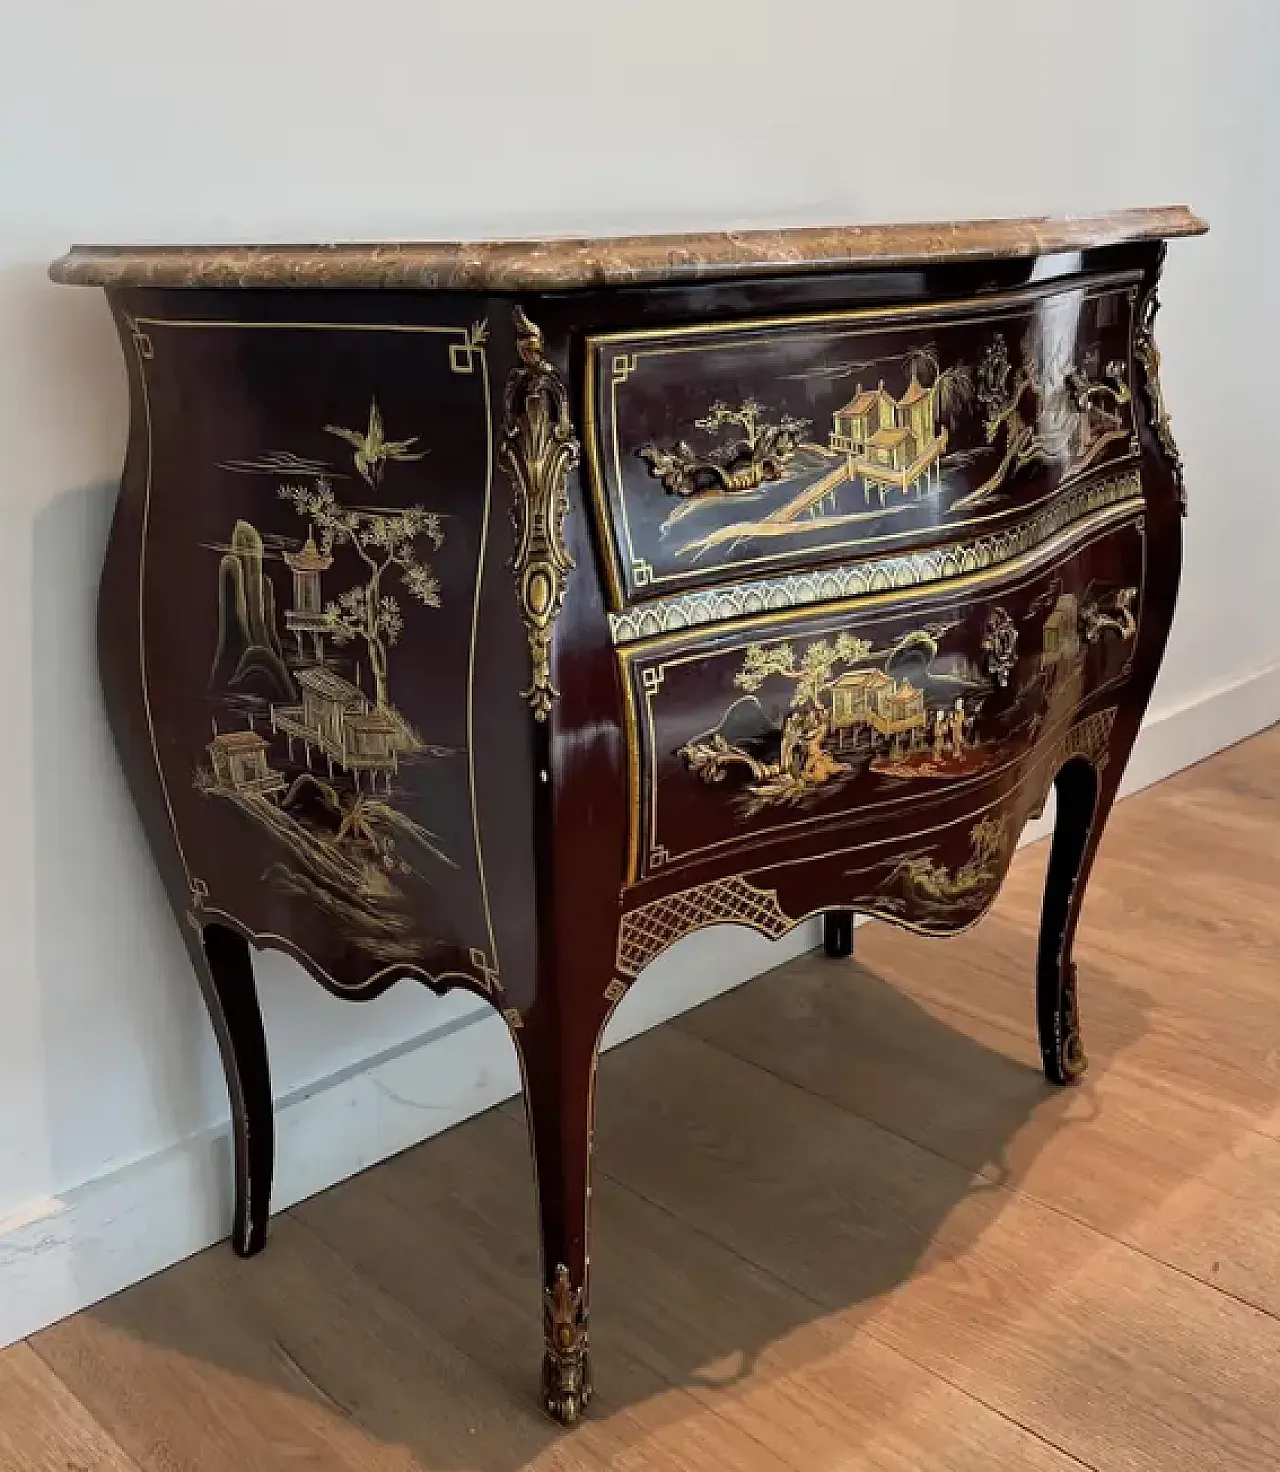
{"x": 496, "y": 615}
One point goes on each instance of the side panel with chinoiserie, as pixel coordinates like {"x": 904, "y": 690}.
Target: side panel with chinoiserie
{"x": 783, "y": 728}
{"x": 734, "y": 450}
{"x": 332, "y": 538}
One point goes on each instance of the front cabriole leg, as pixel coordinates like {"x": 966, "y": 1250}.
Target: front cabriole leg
{"x": 558, "y": 1036}
{"x": 558, "y": 1063}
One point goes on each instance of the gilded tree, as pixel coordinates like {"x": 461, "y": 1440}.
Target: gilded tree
{"x": 759, "y": 437}
{"x": 952, "y": 387}
{"x": 1047, "y": 409}
{"x": 812, "y": 672}
{"x": 387, "y": 543}
{"x": 760, "y": 452}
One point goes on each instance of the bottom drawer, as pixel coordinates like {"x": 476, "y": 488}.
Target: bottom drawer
{"x": 937, "y": 878}
{"x": 772, "y": 729}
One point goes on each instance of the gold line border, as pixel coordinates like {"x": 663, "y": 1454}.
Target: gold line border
{"x": 471, "y": 654}
{"x": 950, "y": 312}
{"x": 871, "y": 910}
{"x": 1013, "y": 574}
{"x": 142, "y": 583}
{"x": 271, "y": 940}
{"x": 264, "y": 938}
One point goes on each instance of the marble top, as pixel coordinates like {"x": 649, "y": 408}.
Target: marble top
{"x": 532, "y": 265}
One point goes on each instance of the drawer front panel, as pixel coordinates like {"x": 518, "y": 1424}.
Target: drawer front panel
{"x": 933, "y": 877}
{"x": 738, "y": 451}
{"x": 782, "y": 726}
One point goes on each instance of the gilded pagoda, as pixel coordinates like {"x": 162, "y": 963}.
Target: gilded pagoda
{"x": 893, "y": 443}
{"x": 871, "y": 709}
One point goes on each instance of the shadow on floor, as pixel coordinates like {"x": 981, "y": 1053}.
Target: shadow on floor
{"x": 739, "y": 1206}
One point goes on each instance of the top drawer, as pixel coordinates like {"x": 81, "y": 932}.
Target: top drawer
{"x": 741, "y": 450}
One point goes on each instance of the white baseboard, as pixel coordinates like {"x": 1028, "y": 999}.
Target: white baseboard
{"x": 59, "y": 1256}
{"x": 1178, "y": 736}
{"x": 1175, "y": 737}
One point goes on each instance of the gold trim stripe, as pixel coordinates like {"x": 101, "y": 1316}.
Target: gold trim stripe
{"x": 873, "y": 575}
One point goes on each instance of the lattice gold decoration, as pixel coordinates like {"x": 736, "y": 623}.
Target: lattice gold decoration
{"x": 1088, "y": 738}
{"x": 649, "y": 930}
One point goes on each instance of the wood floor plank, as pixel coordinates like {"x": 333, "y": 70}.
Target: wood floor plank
{"x": 1185, "y": 1180}
{"x": 1186, "y": 1027}
{"x": 286, "y": 1359}
{"x": 1030, "y": 1312}
{"x": 43, "y": 1428}
{"x": 698, "y": 1338}
{"x": 1185, "y": 879}
{"x": 461, "y": 1211}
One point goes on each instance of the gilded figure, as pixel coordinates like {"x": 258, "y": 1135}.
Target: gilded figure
{"x": 850, "y": 709}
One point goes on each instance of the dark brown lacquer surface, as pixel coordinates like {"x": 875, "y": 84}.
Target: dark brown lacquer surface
{"x": 732, "y": 452}
{"x": 811, "y": 726}
{"x": 317, "y": 503}
{"x": 501, "y": 641}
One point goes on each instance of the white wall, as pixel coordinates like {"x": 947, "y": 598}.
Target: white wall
{"x": 154, "y": 120}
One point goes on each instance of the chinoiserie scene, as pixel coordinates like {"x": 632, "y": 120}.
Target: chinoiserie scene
{"x": 644, "y": 805}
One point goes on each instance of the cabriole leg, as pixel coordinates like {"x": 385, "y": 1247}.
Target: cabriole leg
{"x": 1084, "y": 801}
{"x": 837, "y": 933}
{"x": 224, "y": 964}
{"x": 559, "y": 1086}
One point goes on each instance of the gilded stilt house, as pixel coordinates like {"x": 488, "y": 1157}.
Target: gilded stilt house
{"x": 872, "y": 709}
{"x": 1061, "y": 651}
{"x": 239, "y": 761}
{"x": 892, "y": 443}
{"x": 339, "y": 721}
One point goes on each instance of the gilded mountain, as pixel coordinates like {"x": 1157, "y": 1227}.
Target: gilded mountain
{"x": 248, "y": 658}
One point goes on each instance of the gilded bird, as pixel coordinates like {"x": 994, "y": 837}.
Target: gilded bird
{"x": 372, "y": 448}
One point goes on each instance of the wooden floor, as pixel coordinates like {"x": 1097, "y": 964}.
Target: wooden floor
{"x": 841, "y": 1222}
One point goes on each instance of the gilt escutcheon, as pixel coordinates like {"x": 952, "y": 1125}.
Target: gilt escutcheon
{"x": 538, "y": 449}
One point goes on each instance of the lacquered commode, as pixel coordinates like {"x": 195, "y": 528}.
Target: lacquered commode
{"x": 495, "y": 615}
